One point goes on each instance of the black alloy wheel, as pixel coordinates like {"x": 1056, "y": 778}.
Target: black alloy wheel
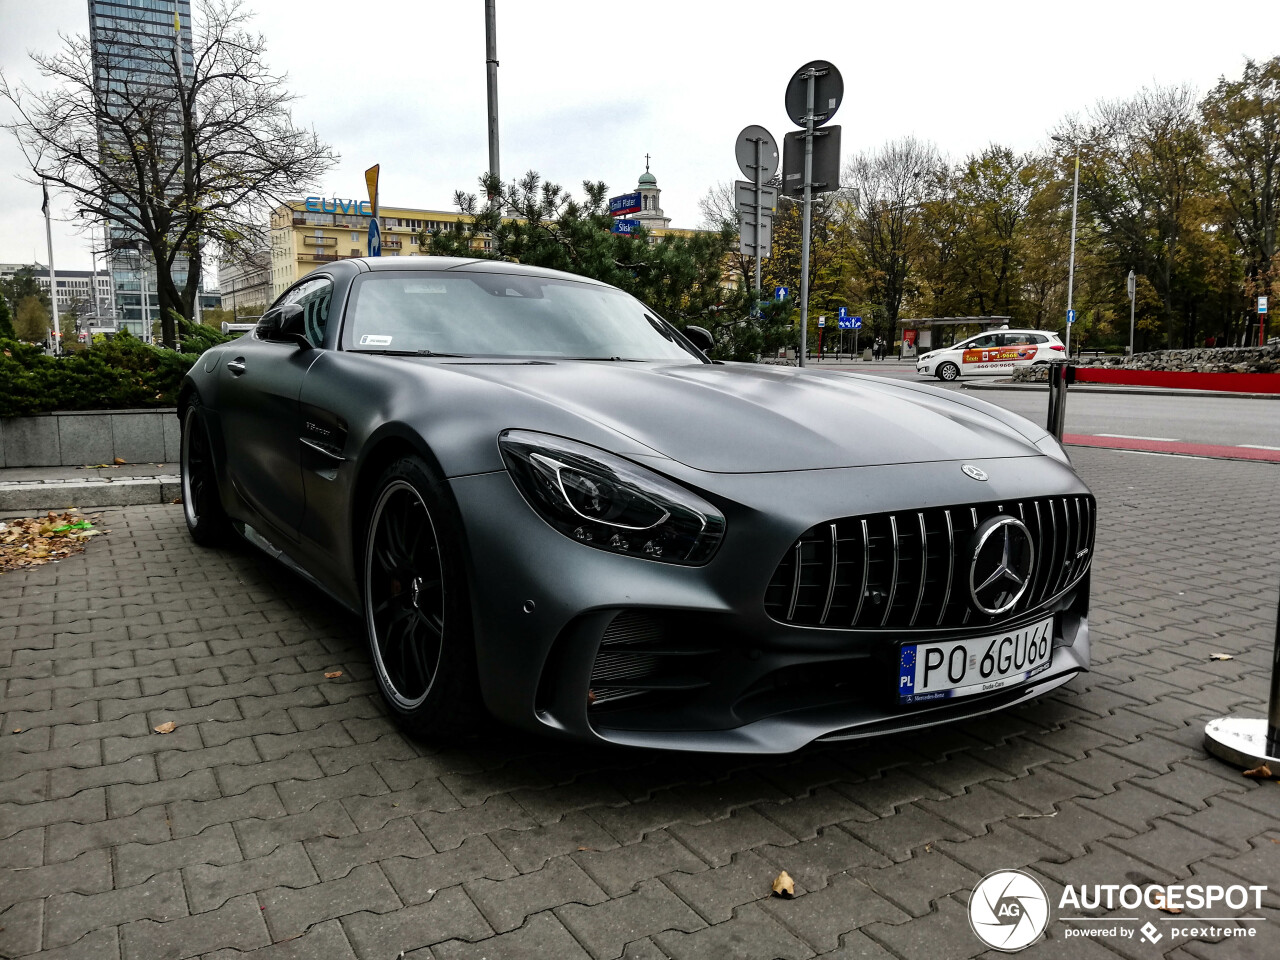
{"x": 415, "y": 607}
{"x": 948, "y": 372}
{"x": 201, "y": 506}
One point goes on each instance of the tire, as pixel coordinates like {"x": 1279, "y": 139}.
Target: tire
{"x": 948, "y": 372}
{"x": 416, "y": 605}
{"x": 201, "y": 505}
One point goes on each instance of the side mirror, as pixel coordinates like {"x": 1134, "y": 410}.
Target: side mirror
{"x": 701, "y": 338}
{"x": 285, "y": 324}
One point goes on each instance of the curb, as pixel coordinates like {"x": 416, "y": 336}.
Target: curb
{"x": 37, "y": 496}
{"x": 1083, "y": 388}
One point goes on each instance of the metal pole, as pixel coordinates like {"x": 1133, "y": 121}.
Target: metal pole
{"x": 147, "y": 333}
{"x": 804, "y": 232}
{"x": 111, "y": 277}
{"x": 756, "y": 289}
{"x": 1071, "y": 270}
{"x": 1133, "y": 289}
{"x": 1250, "y": 742}
{"x": 491, "y": 67}
{"x": 53, "y": 278}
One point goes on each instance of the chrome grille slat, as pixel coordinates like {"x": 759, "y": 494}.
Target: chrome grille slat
{"x": 795, "y": 581}
{"x": 924, "y": 568}
{"x": 1038, "y": 589}
{"x": 831, "y": 581}
{"x": 893, "y": 577}
{"x": 866, "y": 572}
{"x": 951, "y": 566}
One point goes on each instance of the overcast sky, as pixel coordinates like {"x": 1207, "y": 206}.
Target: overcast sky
{"x": 587, "y": 87}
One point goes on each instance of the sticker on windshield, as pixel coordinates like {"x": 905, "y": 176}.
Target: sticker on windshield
{"x": 373, "y": 340}
{"x": 425, "y": 288}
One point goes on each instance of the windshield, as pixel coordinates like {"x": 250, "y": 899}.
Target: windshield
{"x": 501, "y": 315}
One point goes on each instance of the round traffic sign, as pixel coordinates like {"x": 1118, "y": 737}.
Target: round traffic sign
{"x": 745, "y": 150}
{"x": 828, "y": 91}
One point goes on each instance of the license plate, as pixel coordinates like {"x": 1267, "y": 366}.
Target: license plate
{"x": 961, "y": 668}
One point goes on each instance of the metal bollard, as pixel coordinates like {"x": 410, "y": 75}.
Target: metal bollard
{"x": 1061, "y": 373}
{"x": 1249, "y": 741}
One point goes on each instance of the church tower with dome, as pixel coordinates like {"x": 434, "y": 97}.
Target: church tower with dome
{"x": 650, "y": 213}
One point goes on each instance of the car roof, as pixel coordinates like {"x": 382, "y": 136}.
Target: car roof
{"x": 465, "y": 265}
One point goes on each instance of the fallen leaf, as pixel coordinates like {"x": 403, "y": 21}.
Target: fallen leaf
{"x": 167, "y": 727}
{"x": 333, "y": 675}
{"x": 17, "y": 729}
{"x": 1260, "y": 772}
{"x": 783, "y": 885}
{"x": 176, "y": 500}
{"x": 119, "y": 460}
{"x": 1221, "y": 656}
{"x": 1037, "y": 816}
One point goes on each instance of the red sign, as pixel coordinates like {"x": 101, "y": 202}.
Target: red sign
{"x": 909, "y": 337}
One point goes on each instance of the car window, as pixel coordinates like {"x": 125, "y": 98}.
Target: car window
{"x": 313, "y": 296}
{"x": 986, "y": 340}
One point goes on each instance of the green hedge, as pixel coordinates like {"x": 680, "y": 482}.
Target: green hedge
{"x": 120, "y": 374}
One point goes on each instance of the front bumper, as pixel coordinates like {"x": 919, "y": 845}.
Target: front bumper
{"x": 925, "y": 367}
{"x": 542, "y": 603}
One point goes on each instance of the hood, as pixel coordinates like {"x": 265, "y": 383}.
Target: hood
{"x": 752, "y": 418}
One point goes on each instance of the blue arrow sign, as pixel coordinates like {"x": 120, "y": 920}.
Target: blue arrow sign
{"x": 375, "y": 238}
{"x": 844, "y": 313}
{"x": 780, "y": 293}
{"x": 1071, "y": 316}
{"x": 846, "y": 323}
{"x": 623, "y": 225}
{"x": 857, "y": 323}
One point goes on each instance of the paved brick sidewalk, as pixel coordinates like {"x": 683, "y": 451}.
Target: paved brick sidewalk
{"x": 285, "y": 817}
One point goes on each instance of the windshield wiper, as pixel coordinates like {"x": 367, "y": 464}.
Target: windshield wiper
{"x": 608, "y": 359}
{"x": 410, "y": 353}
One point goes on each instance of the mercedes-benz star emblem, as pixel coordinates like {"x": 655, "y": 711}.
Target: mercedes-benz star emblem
{"x": 977, "y": 473}
{"x": 1003, "y": 559}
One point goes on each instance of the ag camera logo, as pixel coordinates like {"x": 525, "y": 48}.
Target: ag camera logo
{"x": 1008, "y": 910}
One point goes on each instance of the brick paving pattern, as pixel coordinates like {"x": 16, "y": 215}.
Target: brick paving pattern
{"x": 286, "y": 817}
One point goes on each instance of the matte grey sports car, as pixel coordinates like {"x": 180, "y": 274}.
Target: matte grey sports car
{"x": 544, "y": 500}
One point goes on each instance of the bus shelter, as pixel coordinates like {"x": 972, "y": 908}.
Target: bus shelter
{"x": 922, "y": 334}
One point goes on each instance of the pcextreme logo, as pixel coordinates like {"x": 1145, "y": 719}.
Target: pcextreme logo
{"x": 1009, "y": 911}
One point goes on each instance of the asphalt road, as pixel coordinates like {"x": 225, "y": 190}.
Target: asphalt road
{"x": 1227, "y": 420}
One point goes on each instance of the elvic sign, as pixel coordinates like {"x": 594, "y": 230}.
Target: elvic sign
{"x": 354, "y": 208}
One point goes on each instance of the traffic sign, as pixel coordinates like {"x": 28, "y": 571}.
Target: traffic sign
{"x": 828, "y": 91}
{"x": 623, "y": 225}
{"x": 371, "y": 181}
{"x": 375, "y": 238}
{"x": 627, "y": 203}
{"x": 857, "y": 323}
{"x": 844, "y": 312}
{"x": 846, "y": 323}
{"x": 780, "y": 293}
{"x": 747, "y": 236}
{"x": 745, "y": 151}
{"x": 744, "y": 197}
{"x": 1071, "y": 316}
{"x": 822, "y": 321}
{"x": 1262, "y": 304}
{"x": 826, "y": 161}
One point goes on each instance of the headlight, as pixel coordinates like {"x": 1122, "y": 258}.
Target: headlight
{"x": 609, "y": 503}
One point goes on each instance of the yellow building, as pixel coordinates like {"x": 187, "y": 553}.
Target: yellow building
{"x": 316, "y": 230}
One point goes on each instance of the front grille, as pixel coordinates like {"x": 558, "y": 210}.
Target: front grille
{"x": 639, "y": 655}
{"x": 910, "y": 570}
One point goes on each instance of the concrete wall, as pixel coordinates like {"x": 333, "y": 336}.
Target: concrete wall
{"x": 82, "y": 437}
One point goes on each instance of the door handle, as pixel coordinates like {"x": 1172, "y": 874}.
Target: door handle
{"x": 236, "y": 366}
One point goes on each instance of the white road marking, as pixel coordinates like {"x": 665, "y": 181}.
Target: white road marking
{"x": 1258, "y": 446}
{"x": 1125, "y": 436}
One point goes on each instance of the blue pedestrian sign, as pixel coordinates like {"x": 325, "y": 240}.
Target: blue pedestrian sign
{"x": 1071, "y": 316}
{"x": 375, "y": 238}
{"x": 857, "y": 323}
{"x": 780, "y": 293}
{"x": 623, "y": 225}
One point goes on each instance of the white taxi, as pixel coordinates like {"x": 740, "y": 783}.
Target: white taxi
{"x": 992, "y": 353}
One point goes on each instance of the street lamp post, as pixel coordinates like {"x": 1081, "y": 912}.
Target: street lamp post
{"x": 1133, "y": 291}
{"x": 1071, "y": 269}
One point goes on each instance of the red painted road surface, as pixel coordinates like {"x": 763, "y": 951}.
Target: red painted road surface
{"x": 1173, "y": 446}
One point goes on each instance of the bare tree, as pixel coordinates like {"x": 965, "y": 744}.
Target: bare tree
{"x": 175, "y": 150}
{"x": 888, "y": 187}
